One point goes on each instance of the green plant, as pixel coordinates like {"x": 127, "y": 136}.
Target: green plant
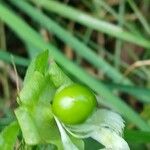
{"x": 97, "y": 34}
{"x": 45, "y": 84}
{"x": 34, "y": 39}
{"x": 73, "y": 104}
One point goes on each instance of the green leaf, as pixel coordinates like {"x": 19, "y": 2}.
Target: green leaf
{"x": 34, "y": 115}
{"x": 141, "y": 18}
{"x": 37, "y": 85}
{"x": 92, "y": 144}
{"x": 137, "y": 136}
{"x": 8, "y": 136}
{"x": 72, "y": 41}
{"x": 58, "y": 76}
{"x": 40, "y": 64}
{"x": 142, "y": 94}
{"x": 6, "y": 56}
{"x": 137, "y": 146}
{"x": 47, "y": 94}
{"x": 91, "y": 22}
{"x": 31, "y": 90}
{"x": 27, "y": 126}
{"x": 146, "y": 113}
{"x": 29, "y": 72}
{"x": 38, "y": 125}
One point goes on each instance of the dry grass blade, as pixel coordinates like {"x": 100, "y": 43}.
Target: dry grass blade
{"x": 136, "y": 65}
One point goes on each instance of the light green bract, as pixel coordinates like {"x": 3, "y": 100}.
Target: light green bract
{"x": 104, "y": 126}
{"x": 38, "y": 123}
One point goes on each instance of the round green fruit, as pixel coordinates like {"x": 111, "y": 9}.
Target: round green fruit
{"x": 73, "y": 104}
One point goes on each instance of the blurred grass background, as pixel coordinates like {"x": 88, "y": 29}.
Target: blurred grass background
{"x": 104, "y": 44}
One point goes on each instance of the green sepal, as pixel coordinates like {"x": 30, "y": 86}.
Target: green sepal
{"x": 8, "y": 136}
{"x": 31, "y": 91}
{"x": 34, "y": 113}
{"x": 58, "y": 77}
{"x": 38, "y": 125}
{"x": 47, "y": 94}
{"x": 39, "y": 63}
{"x": 69, "y": 142}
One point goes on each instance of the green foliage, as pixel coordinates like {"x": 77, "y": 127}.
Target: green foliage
{"x": 31, "y": 36}
{"x": 91, "y": 22}
{"x": 5, "y": 56}
{"x": 35, "y": 116}
{"x": 40, "y": 129}
{"x": 57, "y": 76}
{"x": 137, "y": 136}
{"x": 32, "y": 89}
{"x": 38, "y": 126}
{"x": 71, "y": 40}
{"x": 8, "y": 136}
{"x": 34, "y": 113}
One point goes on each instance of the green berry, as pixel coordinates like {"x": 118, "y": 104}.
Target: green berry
{"x": 73, "y": 104}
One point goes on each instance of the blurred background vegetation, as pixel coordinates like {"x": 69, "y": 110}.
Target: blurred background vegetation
{"x": 104, "y": 44}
